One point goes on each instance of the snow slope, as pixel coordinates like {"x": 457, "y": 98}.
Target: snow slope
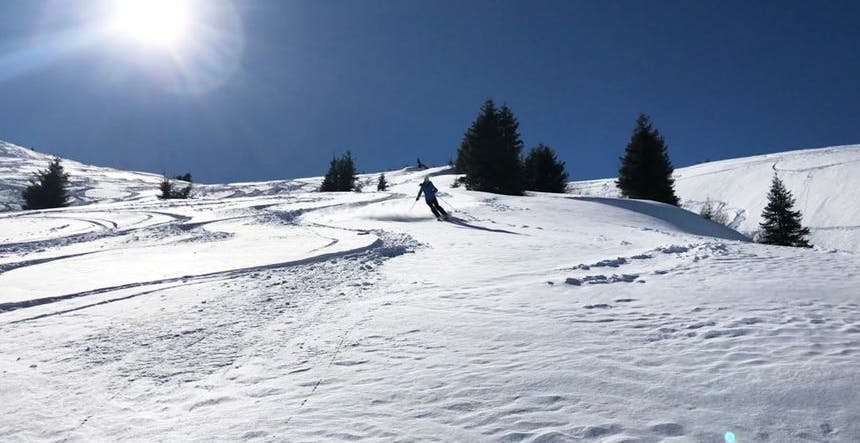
{"x": 266, "y": 313}
{"x": 823, "y": 181}
{"x": 89, "y": 183}
{"x": 94, "y": 184}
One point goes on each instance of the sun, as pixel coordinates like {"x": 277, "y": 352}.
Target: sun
{"x": 162, "y": 23}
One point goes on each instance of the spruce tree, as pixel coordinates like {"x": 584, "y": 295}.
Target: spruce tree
{"x": 48, "y": 188}
{"x": 166, "y": 188}
{"x": 341, "y": 175}
{"x": 489, "y": 154}
{"x": 382, "y": 184}
{"x": 169, "y": 190}
{"x": 781, "y": 225}
{"x": 508, "y": 159}
{"x": 347, "y": 174}
{"x": 329, "y": 183}
{"x": 646, "y": 172}
{"x": 543, "y": 171}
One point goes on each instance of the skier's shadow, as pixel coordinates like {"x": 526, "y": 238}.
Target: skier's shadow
{"x": 461, "y": 222}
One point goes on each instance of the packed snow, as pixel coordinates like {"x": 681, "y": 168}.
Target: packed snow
{"x": 824, "y": 183}
{"x": 267, "y": 312}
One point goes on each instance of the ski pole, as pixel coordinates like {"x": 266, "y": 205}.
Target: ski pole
{"x": 413, "y": 205}
{"x": 446, "y": 202}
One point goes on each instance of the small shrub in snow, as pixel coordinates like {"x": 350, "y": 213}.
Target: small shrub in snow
{"x": 715, "y": 212}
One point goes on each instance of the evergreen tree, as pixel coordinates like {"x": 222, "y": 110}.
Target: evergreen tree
{"x": 543, "y": 171}
{"x": 489, "y": 154}
{"x": 508, "y": 159}
{"x": 382, "y": 184}
{"x": 348, "y": 173}
{"x": 186, "y": 191}
{"x": 646, "y": 172}
{"x": 169, "y": 190}
{"x": 166, "y": 188}
{"x": 341, "y": 175}
{"x": 48, "y": 188}
{"x": 329, "y": 183}
{"x": 781, "y": 225}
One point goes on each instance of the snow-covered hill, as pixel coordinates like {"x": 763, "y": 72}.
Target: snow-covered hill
{"x": 824, "y": 183}
{"x": 94, "y": 184}
{"x": 264, "y": 312}
{"x": 90, "y": 183}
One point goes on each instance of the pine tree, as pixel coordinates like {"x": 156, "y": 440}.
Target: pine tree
{"x": 543, "y": 171}
{"x": 169, "y": 190}
{"x": 48, "y": 188}
{"x": 329, "y": 183}
{"x": 508, "y": 161}
{"x": 166, "y": 188}
{"x": 489, "y": 154}
{"x": 341, "y": 175}
{"x": 382, "y": 184}
{"x": 781, "y": 225}
{"x": 646, "y": 172}
{"x": 347, "y": 174}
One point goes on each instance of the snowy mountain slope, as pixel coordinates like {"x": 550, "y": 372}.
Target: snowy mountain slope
{"x": 302, "y": 316}
{"x": 94, "y": 184}
{"x": 824, "y": 183}
{"x": 89, "y": 183}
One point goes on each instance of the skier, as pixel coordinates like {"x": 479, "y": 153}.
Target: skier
{"x": 430, "y": 197}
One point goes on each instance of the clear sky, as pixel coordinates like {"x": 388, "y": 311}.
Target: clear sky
{"x": 256, "y": 89}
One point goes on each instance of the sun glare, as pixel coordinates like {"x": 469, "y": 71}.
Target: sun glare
{"x": 152, "y": 22}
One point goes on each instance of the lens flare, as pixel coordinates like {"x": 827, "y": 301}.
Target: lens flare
{"x": 152, "y": 22}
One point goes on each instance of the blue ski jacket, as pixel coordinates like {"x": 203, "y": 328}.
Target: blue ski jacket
{"x": 429, "y": 191}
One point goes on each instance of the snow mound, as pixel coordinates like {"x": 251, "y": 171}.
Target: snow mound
{"x": 676, "y": 218}
{"x": 823, "y": 181}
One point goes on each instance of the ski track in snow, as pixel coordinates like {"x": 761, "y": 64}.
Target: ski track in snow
{"x": 347, "y": 317}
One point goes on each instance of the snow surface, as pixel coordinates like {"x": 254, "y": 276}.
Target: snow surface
{"x": 823, "y": 181}
{"x": 264, "y": 312}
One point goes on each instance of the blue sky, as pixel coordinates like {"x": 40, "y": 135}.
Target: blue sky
{"x": 395, "y": 80}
